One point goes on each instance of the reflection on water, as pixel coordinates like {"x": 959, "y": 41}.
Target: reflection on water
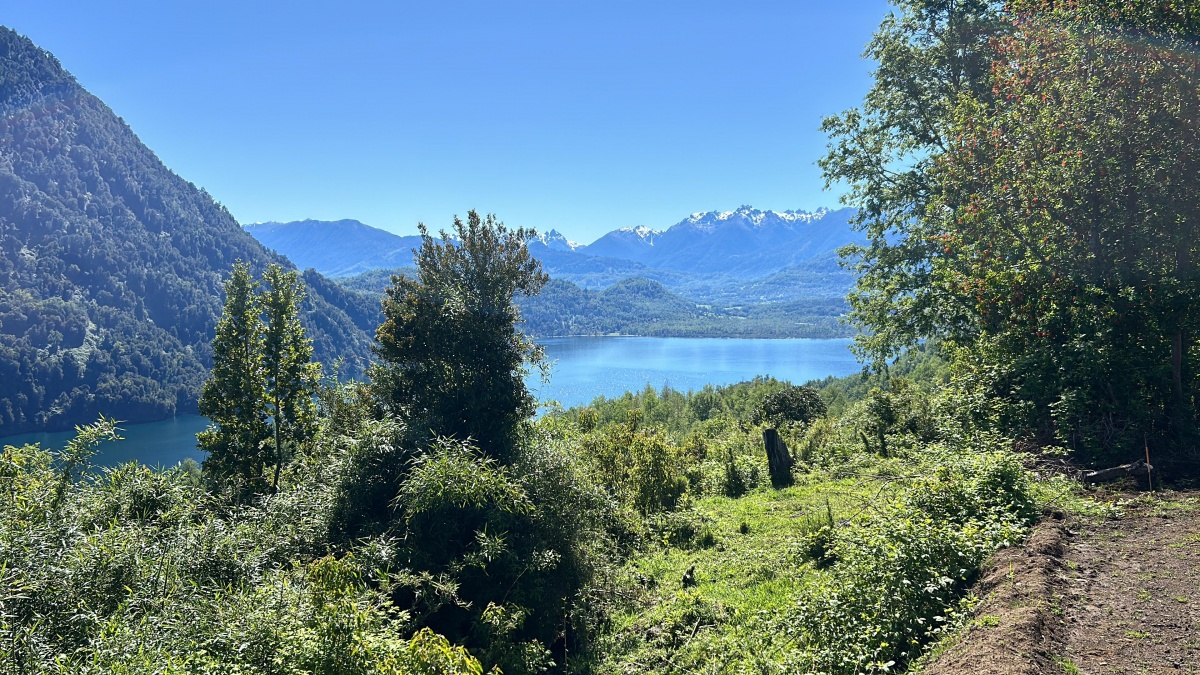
{"x": 583, "y": 368}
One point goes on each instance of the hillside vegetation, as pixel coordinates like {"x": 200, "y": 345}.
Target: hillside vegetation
{"x": 637, "y": 306}
{"x": 111, "y": 265}
{"x": 1024, "y": 174}
{"x": 422, "y": 521}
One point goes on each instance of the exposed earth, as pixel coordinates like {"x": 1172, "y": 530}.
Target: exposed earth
{"x": 1091, "y": 595}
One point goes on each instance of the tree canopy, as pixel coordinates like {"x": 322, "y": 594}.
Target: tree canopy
{"x": 1038, "y": 214}
{"x": 260, "y": 394}
{"x": 451, "y": 356}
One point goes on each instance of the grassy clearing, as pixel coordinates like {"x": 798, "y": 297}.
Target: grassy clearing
{"x": 770, "y": 584}
{"x": 753, "y": 569}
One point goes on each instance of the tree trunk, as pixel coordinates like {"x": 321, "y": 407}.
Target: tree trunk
{"x": 779, "y": 460}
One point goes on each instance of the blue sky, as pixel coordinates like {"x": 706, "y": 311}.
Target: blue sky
{"x": 579, "y": 115}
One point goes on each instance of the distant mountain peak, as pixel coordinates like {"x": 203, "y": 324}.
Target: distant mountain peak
{"x": 337, "y": 248}
{"x": 746, "y": 214}
{"x": 555, "y": 241}
{"x": 642, "y": 232}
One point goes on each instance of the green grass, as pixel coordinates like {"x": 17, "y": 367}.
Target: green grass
{"x": 1068, "y": 666}
{"x": 743, "y": 580}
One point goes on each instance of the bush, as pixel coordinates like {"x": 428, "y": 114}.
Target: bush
{"x": 899, "y": 576}
{"x": 736, "y": 467}
{"x": 656, "y": 476}
{"x": 792, "y": 405}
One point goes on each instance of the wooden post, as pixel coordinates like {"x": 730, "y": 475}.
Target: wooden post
{"x": 779, "y": 460}
{"x": 1149, "y": 480}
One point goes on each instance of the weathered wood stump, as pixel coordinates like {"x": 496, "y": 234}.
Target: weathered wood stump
{"x": 779, "y": 460}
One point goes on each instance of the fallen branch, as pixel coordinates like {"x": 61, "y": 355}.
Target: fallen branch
{"x": 1117, "y": 472}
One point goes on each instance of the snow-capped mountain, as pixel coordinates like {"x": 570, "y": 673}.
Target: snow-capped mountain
{"x": 704, "y": 248}
{"x": 626, "y": 243}
{"x": 745, "y": 242}
{"x": 555, "y": 241}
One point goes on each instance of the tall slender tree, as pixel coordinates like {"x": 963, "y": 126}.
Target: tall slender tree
{"x": 290, "y": 376}
{"x": 234, "y": 397}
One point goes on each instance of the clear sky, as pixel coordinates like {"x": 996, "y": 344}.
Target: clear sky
{"x": 579, "y": 115}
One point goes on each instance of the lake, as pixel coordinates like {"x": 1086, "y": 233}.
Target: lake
{"x": 584, "y": 368}
{"x": 587, "y": 367}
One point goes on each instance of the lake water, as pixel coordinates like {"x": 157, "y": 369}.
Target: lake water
{"x": 164, "y": 443}
{"x": 584, "y": 368}
{"x": 587, "y": 367}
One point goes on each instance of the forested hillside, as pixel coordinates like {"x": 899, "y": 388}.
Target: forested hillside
{"x": 638, "y": 306}
{"x": 111, "y": 265}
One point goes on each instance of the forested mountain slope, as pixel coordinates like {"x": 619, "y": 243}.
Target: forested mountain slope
{"x": 111, "y": 266}
{"x": 639, "y": 306}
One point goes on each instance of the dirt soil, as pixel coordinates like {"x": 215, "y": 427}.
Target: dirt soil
{"x": 1091, "y": 596}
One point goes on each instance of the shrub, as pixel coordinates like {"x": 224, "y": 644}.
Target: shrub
{"x": 656, "y": 475}
{"x": 792, "y": 405}
{"x": 898, "y": 576}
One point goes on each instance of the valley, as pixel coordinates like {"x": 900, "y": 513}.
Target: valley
{"x": 949, "y": 428}
{"x": 744, "y": 273}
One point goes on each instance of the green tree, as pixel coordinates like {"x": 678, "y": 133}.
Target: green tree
{"x": 929, "y": 54}
{"x": 451, "y": 358}
{"x": 1046, "y": 227}
{"x": 800, "y": 405}
{"x": 290, "y": 376}
{"x": 234, "y": 397}
{"x": 1073, "y": 229}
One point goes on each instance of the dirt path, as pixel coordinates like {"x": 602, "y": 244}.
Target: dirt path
{"x": 1092, "y": 597}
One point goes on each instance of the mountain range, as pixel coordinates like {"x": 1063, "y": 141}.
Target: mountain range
{"x": 740, "y": 273}
{"x": 112, "y": 266}
{"x": 746, "y": 253}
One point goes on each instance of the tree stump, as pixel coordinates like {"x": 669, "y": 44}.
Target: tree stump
{"x": 779, "y": 460}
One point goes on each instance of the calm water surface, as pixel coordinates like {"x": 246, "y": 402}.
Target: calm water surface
{"x": 164, "y": 443}
{"x": 584, "y": 368}
{"x": 587, "y": 367}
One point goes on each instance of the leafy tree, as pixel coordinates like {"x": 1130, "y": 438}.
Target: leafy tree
{"x": 451, "y": 356}
{"x": 260, "y": 396}
{"x": 291, "y": 377}
{"x": 794, "y": 404}
{"x": 235, "y": 397}
{"x": 1074, "y": 229}
{"x": 1052, "y": 234}
{"x": 929, "y": 53}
